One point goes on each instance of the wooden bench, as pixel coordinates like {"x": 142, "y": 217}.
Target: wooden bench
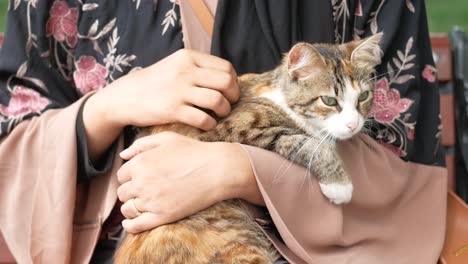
{"x": 443, "y": 59}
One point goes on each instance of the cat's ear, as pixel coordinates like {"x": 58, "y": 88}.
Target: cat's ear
{"x": 303, "y": 61}
{"x": 366, "y": 53}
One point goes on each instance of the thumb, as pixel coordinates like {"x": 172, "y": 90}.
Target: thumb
{"x": 146, "y": 143}
{"x": 140, "y": 145}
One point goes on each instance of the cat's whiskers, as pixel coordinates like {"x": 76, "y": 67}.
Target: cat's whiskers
{"x": 380, "y": 75}
{"x": 309, "y": 175}
{"x": 294, "y": 154}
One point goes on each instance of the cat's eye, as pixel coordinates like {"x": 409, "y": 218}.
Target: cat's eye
{"x": 363, "y": 96}
{"x": 330, "y": 101}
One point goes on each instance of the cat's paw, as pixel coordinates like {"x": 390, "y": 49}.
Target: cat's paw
{"x": 338, "y": 193}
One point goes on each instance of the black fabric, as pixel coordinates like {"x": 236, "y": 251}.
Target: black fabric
{"x": 88, "y": 169}
{"x": 253, "y": 35}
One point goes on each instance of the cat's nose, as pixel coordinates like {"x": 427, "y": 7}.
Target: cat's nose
{"x": 351, "y": 126}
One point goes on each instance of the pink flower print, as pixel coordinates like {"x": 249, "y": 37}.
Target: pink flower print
{"x": 411, "y": 134}
{"x": 89, "y": 75}
{"x": 23, "y": 101}
{"x": 358, "y": 8}
{"x": 429, "y": 73}
{"x": 62, "y": 23}
{"x": 393, "y": 149}
{"x": 387, "y": 103}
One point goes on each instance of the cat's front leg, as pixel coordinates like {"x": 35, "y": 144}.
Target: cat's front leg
{"x": 295, "y": 147}
{"x": 322, "y": 159}
{"x": 334, "y": 181}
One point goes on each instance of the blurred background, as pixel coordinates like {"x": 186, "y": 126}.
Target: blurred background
{"x": 442, "y": 14}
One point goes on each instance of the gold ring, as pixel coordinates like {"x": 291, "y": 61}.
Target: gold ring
{"x": 137, "y": 212}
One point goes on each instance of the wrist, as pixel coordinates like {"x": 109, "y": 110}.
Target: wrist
{"x": 103, "y": 105}
{"x": 237, "y": 174}
{"x": 100, "y": 129}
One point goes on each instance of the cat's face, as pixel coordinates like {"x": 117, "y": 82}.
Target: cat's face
{"x": 330, "y": 86}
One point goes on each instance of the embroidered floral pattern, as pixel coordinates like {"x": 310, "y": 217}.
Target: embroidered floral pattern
{"x": 89, "y": 75}
{"x": 387, "y": 103}
{"x": 23, "y": 101}
{"x": 116, "y": 62}
{"x": 62, "y": 24}
{"x": 358, "y": 8}
{"x": 170, "y": 18}
{"x": 340, "y": 14}
{"x": 429, "y": 73}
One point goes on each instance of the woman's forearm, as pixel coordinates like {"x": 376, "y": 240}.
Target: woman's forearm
{"x": 244, "y": 185}
{"x": 100, "y": 130}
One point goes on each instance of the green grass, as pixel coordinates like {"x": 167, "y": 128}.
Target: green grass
{"x": 443, "y": 14}
{"x": 3, "y": 10}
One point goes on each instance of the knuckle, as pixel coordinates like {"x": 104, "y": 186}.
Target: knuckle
{"x": 120, "y": 194}
{"x": 226, "y": 66}
{"x": 227, "y": 80}
{"x": 217, "y": 99}
{"x": 120, "y": 176}
{"x": 132, "y": 165}
{"x": 123, "y": 210}
{"x": 204, "y": 120}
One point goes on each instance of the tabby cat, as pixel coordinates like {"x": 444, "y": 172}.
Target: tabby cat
{"x": 320, "y": 93}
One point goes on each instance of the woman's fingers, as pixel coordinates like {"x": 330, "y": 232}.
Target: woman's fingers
{"x": 221, "y": 81}
{"x": 208, "y": 61}
{"x": 209, "y": 99}
{"x": 143, "y": 222}
{"x": 130, "y": 209}
{"x": 195, "y": 117}
{"x": 125, "y": 192}
{"x": 140, "y": 145}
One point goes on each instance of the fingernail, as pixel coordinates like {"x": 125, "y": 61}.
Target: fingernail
{"x": 126, "y": 153}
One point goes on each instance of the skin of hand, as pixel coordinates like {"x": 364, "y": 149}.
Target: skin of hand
{"x": 169, "y": 176}
{"x": 164, "y": 92}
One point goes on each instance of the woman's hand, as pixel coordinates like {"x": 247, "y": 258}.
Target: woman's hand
{"x": 170, "y": 177}
{"x": 166, "y": 92}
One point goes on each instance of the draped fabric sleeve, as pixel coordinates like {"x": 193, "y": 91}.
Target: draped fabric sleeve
{"x": 43, "y": 214}
{"x": 395, "y": 205}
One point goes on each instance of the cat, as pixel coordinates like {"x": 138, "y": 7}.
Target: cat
{"x": 319, "y": 94}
